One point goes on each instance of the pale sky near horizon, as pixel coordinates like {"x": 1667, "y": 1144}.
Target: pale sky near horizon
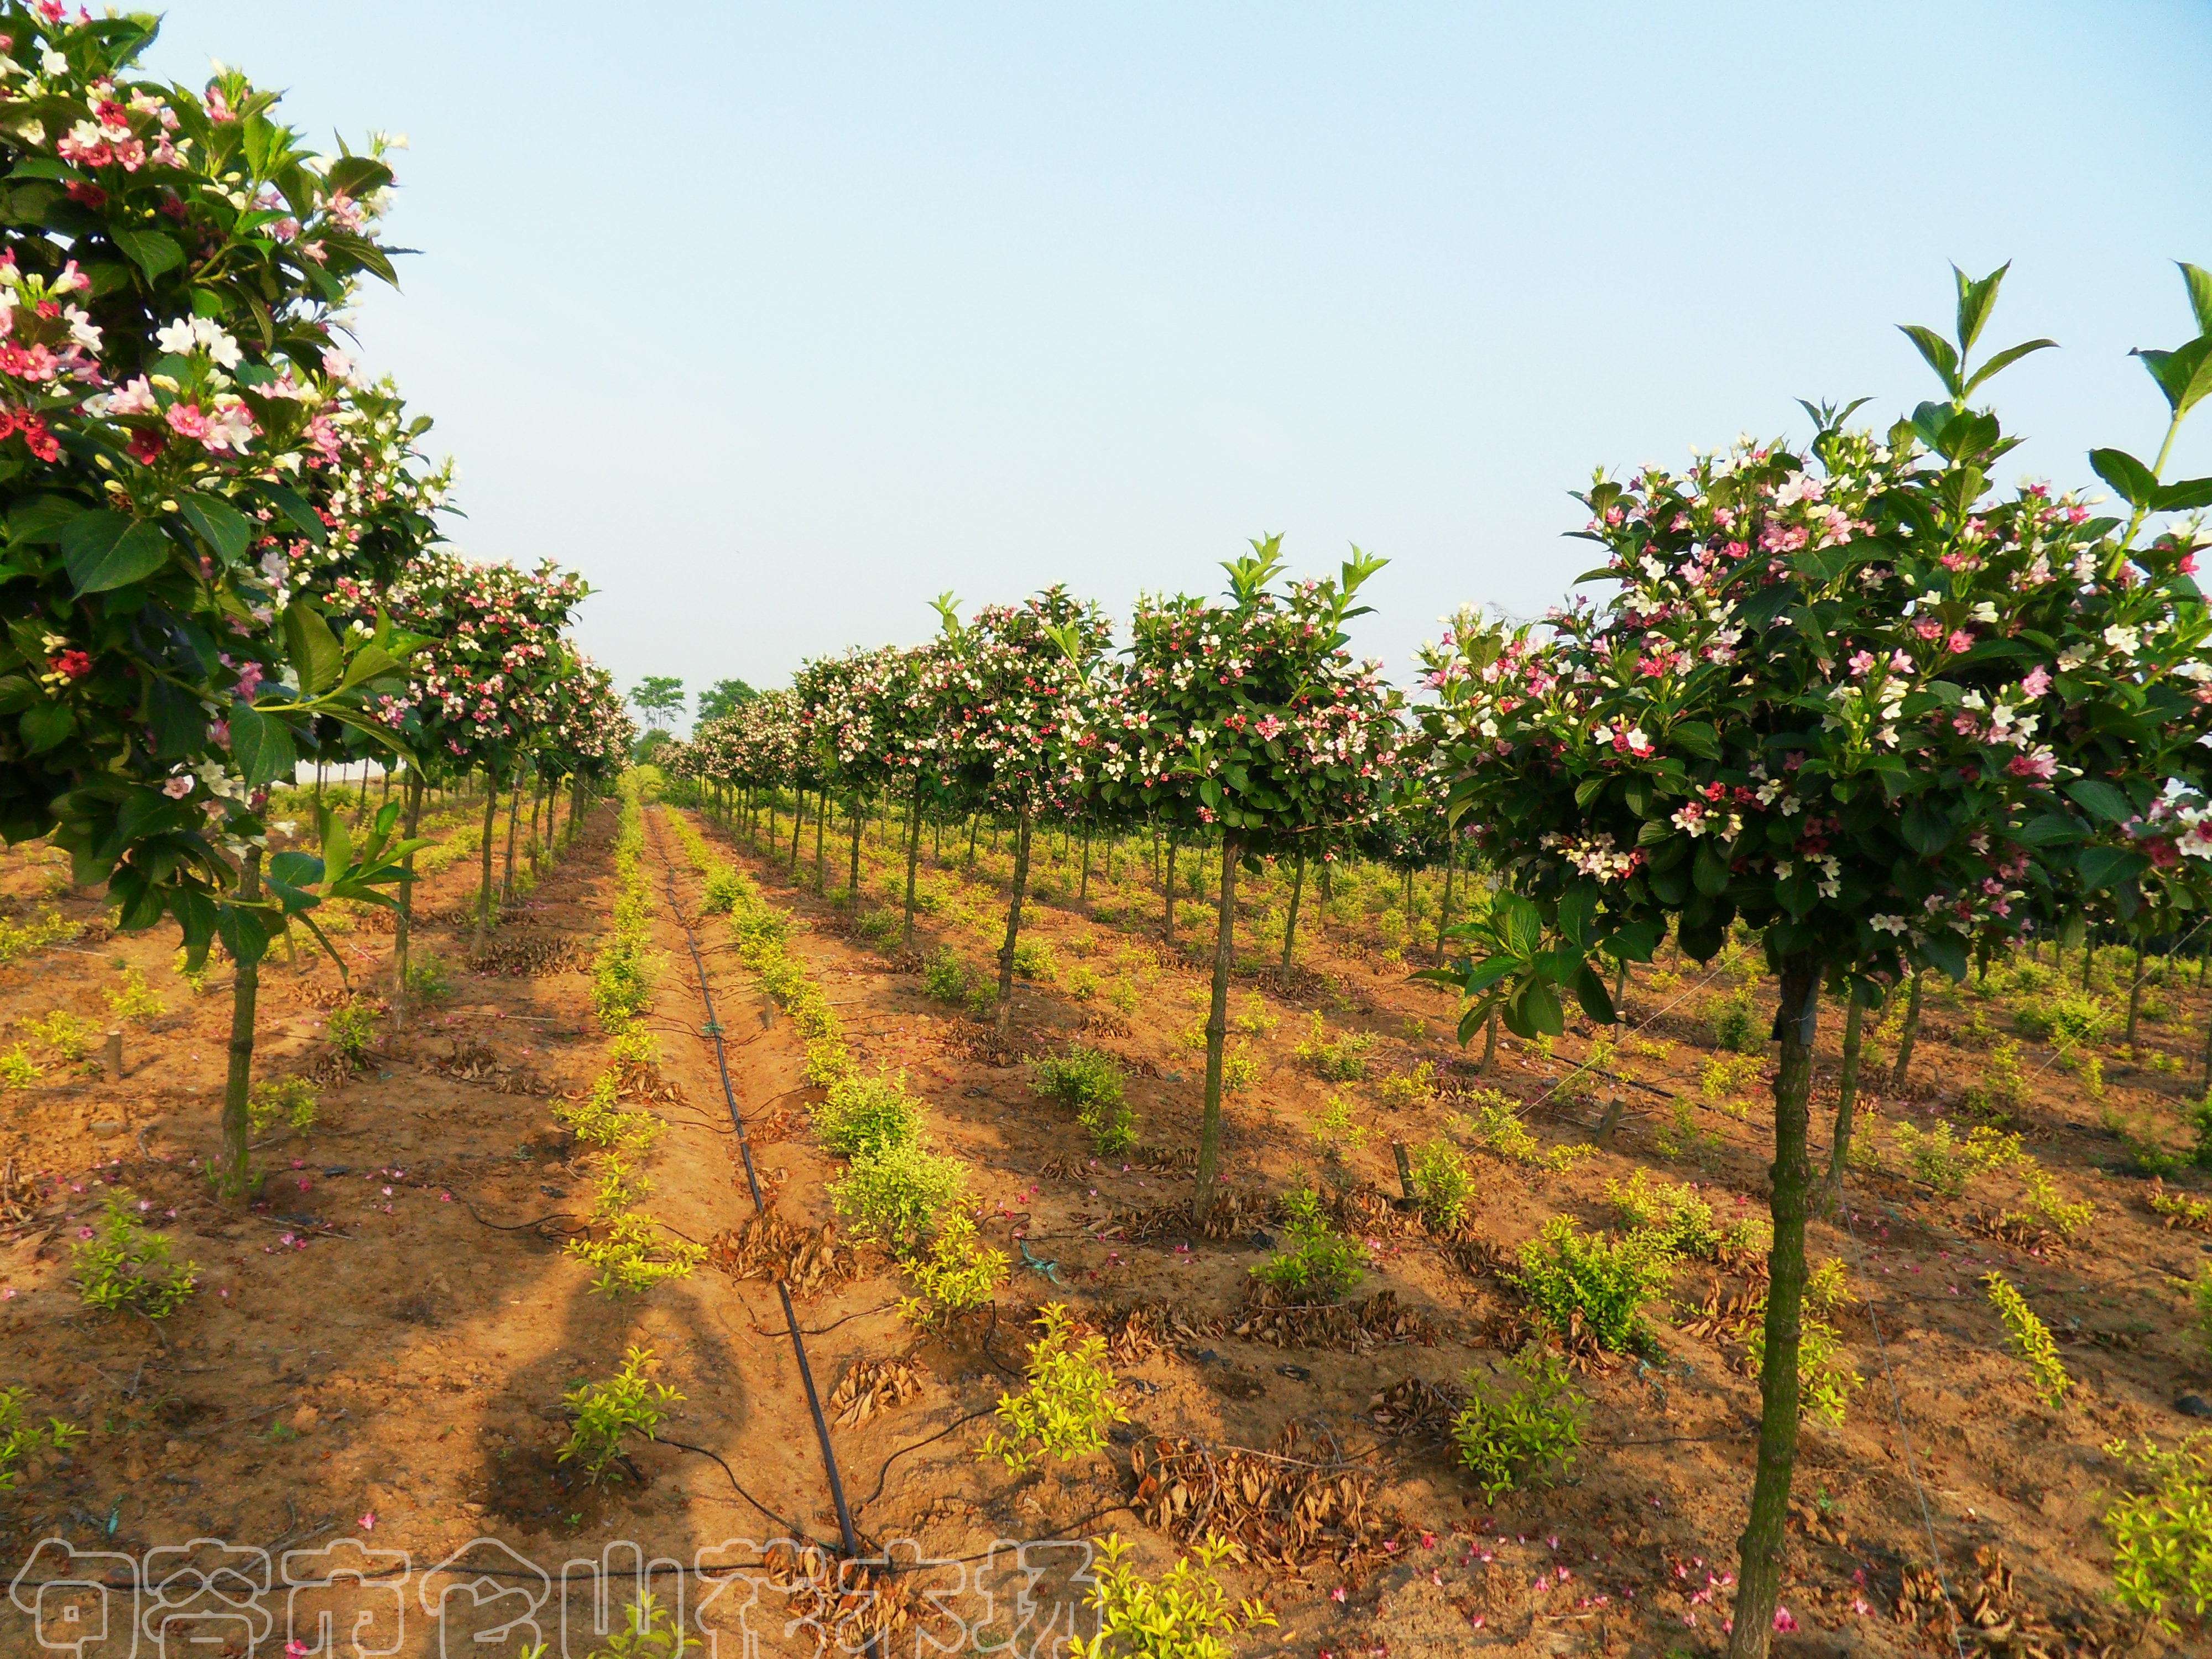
{"x": 776, "y": 320}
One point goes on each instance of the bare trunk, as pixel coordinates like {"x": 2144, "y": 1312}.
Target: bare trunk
{"x": 1290, "y": 917}
{"x": 484, "y": 887}
{"x": 913, "y": 858}
{"x": 1217, "y": 1029}
{"x": 404, "y": 920}
{"x": 1847, "y": 1094}
{"x": 1083, "y": 891}
{"x": 2134, "y": 999}
{"x": 238, "y": 1086}
{"x": 858, "y": 821}
{"x": 1489, "y": 1044}
{"x": 1006, "y": 1020}
{"x": 513, "y": 815}
{"x": 797, "y": 829}
{"x": 1759, "y": 1575}
{"x": 1905, "y": 1038}
{"x": 821, "y": 841}
{"x": 1167, "y": 888}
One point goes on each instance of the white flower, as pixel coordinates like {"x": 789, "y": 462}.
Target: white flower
{"x": 53, "y": 62}
{"x": 2124, "y": 641}
{"x": 1887, "y": 924}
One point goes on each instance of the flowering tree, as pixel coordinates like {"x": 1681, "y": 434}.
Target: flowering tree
{"x": 1851, "y": 697}
{"x": 1008, "y": 696}
{"x": 1252, "y": 720}
{"x": 483, "y": 689}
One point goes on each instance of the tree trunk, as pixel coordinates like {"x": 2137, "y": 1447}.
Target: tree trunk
{"x": 1167, "y": 887}
{"x": 513, "y": 813}
{"x": 2134, "y": 1000}
{"x": 797, "y": 829}
{"x": 1847, "y": 1094}
{"x": 1217, "y": 1029}
{"x": 1759, "y": 1575}
{"x": 1082, "y": 892}
{"x": 484, "y": 888}
{"x": 1489, "y": 1044}
{"x": 975, "y": 822}
{"x": 403, "y": 918}
{"x": 1897, "y": 1072}
{"x": 821, "y": 841}
{"x": 913, "y": 858}
{"x": 238, "y": 1086}
{"x": 1291, "y": 916}
{"x": 859, "y": 822}
{"x": 1443, "y": 913}
{"x": 1006, "y": 1020}
{"x": 2088, "y": 960}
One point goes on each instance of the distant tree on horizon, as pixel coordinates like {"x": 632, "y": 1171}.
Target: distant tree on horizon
{"x": 723, "y": 698}
{"x": 660, "y": 698}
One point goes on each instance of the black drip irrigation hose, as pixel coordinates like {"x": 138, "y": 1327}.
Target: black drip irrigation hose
{"x": 713, "y": 1029}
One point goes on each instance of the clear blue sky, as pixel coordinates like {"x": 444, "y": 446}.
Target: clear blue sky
{"x": 776, "y": 320}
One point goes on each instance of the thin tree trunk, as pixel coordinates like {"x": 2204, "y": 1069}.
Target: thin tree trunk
{"x": 1847, "y": 1094}
{"x": 238, "y": 1086}
{"x": 1444, "y": 913}
{"x": 2134, "y": 999}
{"x": 1489, "y": 1044}
{"x": 975, "y": 822}
{"x": 1290, "y": 917}
{"x": 513, "y": 814}
{"x": 797, "y": 829}
{"x": 403, "y": 920}
{"x": 484, "y": 888}
{"x": 1167, "y": 887}
{"x": 1082, "y": 892}
{"x": 2088, "y": 960}
{"x": 858, "y": 821}
{"x": 821, "y": 841}
{"x": 913, "y": 858}
{"x": 1758, "y": 1577}
{"x": 1006, "y": 1020}
{"x": 1905, "y": 1038}
{"x": 1217, "y": 1029}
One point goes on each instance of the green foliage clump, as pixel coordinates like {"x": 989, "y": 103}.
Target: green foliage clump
{"x": 1416, "y": 1087}
{"x": 18, "y": 1438}
{"x": 600, "y": 1119}
{"x": 945, "y": 978}
{"x": 1580, "y": 1283}
{"x": 2045, "y": 1204}
{"x": 19, "y": 939}
{"x": 351, "y": 1029}
{"x": 1240, "y": 1069}
{"x": 866, "y": 1117}
{"x": 1184, "y": 1614}
{"x": 828, "y": 1062}
{"x": 633, "y": 1257}
{"x": 2029, "y": 1338}
{"x": 1670, "y": 1211}
{"x": 291, "y": 1098}
{"x": 2077, "y": 1020}
{"x": 1734, "y": 1019}
{"x": 1937, "y": 1157}
{"x": 1826, "y": 1381}
{"x": 2162, "y": 1534}
{"x": 1068, "y": 1405}
{"x": 1341, "y": 1059}
{"x": 1528, "y": 1432}
{"x": 17, "y": 1069}
{"x": 1441, "y": 1185}
{"x": 1497, "y": 1128}
{"x": 69, "y": 1035}
{"x": 429, "y": 978}
{"x": 123, "y": 1266}
{"x": 959, "y": 1273}
{"x": 898, "y": 1195}
{"x": 1090, "y": 1080}
{"x": 2001, "y": 1092}
{"x": 135, "y": 1000}
{"x": 1315, "y": 1259}
{"x": 603, "y": 1414}
{"x": 1033, "y": 959}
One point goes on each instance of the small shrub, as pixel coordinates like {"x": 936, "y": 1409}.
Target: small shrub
{"x": 1734, "y": 1018}
{"x": 600, "y": 1120}
{"x": 1441, "y": 1185}
{"x": 959, "y": 1273}
{"x": 1082, "y": 982}
{"x": 1033, "y": 959}
{"x": 1497, "y": 1128}
{"x": 351, "y": 1029}
{"x": 17, "y": 1069}
{"x": 865, "y": 1116}
{"x": 291, "y": 1098}
{"x": 1415, "y": 1088}
{"x": 123, "y": 1266}
{"x": 1670, "y": 1211}
{"x": 1254, "y": 1019}
{"x": 2045, "y": 1204}
{"x": 1998, "y": 1095}
{"x": 2029, "y": 1339}
{"x": 21, "y": 939}
{"x": 1123, "y": 998}
{"x": 633, "y": 1257}
{"x": 19, "y": 1439}
{"x": 1723, "y": 1075}
{"x": 2162, "y": 1535}
{"x": 2181, "y": 1210}
{"x": 1334, "y": 1060}
{"x": 1334, "y": 1130}
{"x": 2073, "y": 1020}
{"x": 881, "y": 926}
{"x": 948, "y": 979}
{"x": 1528, "y": 1432}
{"x": 1240, "y": 1070}
{"x": 1825, "y": 1381}
{"x": 1068, "y": 1405}
{"x": 1090, "y": 1080}
{"x": 429, "y": 978}
{"x": 897, "y": 1196}
{"x": 134, "y": 998}
{"x": 1185, "y": 1614}
{"x": 602, "y": 1415}
{"x": 70, "y": 1036}
{"x": 1313, "y": 1261}
{"x": 2200, "y": 1296}
{"x": 1936, "y": 1156}
{"x": 1584, "y": 1282}
{"x": 828, "y": 1062}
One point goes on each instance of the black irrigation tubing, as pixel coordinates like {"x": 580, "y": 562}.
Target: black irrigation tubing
{"x": 736, "y": 1485}
{"x": 517, "y": 1226}
{"x": 851, "y": 1541}
{"x": 884, "y": 1473}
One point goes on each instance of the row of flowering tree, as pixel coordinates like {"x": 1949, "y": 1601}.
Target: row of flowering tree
{"x": 190, "y": 469}
{"x": 1852, "y": 696}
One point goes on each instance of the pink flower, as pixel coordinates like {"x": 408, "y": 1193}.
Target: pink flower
{"x": 1784, "y": 1620}
{"x": 186, "y": 421}
{"x": 369, "y": 1522}
{"x": 2037, "y": 683}
{"x": 177, "y": 788}
{"x": 1960, "y": 641}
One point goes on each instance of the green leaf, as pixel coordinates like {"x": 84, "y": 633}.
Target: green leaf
{"x": 1700, "y": 738}
{"x": 295, "y": 508}
{"x": 2004, "y": 360}
{"x": 2200, "y": 293}
{"x": 1590, "y": 991}
{"x": 243, "y": 934}
{"x": 42, "y": 517}
{"x": 2185, "y": 374}
{"x": 368, "y": 663}
{"x": 1576, "y": 910}
{"x": 2135, "y": 483}
{"x": 1926, "y": 827}
{"x": 152, "y": 251}
{"x": 47, "y": 725}
{"x": 1938, "y": 352}
{"x": 103, "y": 550}
{"x": 2101, "y": 799}
{"x": 2050, "y": 829}
{"x": 2183, "y": 496}
{"x": 1539, "y": 1010}
{"x": 1518, "y": 924}
{"x": 263, "y": 747}
{"x": 2104, "y": 866}
{"x": 1975, "y": 300}
{"x": 220, "y": 525}
{"x": 317, "y": 658}
{"x": 1947, "y": 953}
{"x": 1709, "y": 872}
